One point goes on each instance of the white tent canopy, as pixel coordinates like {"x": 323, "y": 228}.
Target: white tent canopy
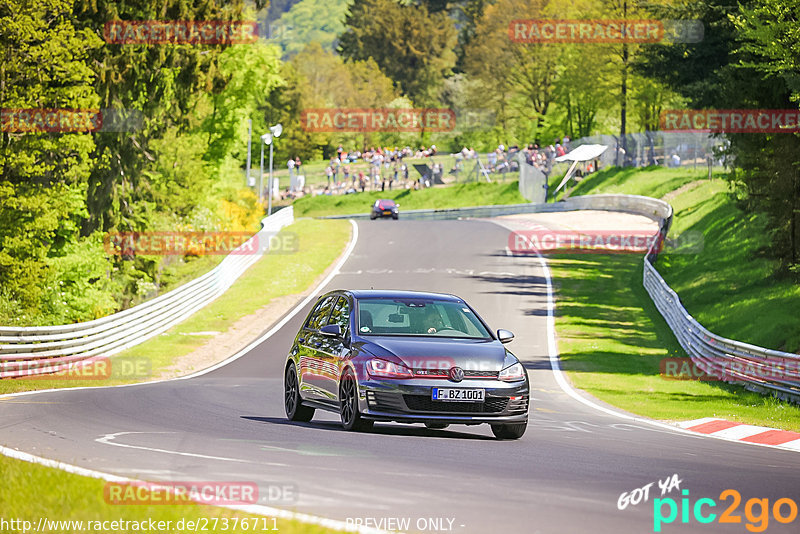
{"x": 580, "y": 154}
{"x": 583, "y": 153}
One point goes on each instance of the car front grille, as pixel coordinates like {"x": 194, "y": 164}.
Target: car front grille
{"x": 440, "y": 373}
{"x": 397, "y": 403}
{"x": 423, "y": 403}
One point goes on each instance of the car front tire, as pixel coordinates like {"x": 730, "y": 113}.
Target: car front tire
{"x": 509, "y": 430}
{"x": 292, "y": 402}
{"x": 348, "y": 398}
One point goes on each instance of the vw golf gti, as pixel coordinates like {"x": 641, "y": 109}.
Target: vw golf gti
{"x": 408, "y": 357}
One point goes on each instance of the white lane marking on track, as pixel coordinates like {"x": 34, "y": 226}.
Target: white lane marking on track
{"x": 257, "y": 509}
{"x": 110, "y": 439}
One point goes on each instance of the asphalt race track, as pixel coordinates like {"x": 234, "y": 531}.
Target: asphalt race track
{"x": 565, "y": 475}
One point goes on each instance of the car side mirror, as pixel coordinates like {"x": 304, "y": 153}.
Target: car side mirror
{"x": 331, "y": 330}
{"x": 505, "y": 335}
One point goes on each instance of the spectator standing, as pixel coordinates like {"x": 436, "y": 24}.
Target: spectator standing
{"x": 291, "y": 165}
{"x": 335, "y": 163}
{"x": 329, "y": 173}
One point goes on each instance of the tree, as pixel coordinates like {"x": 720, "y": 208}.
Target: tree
{"x": 43, "y": 175}
{"x": 311, "y": 21}
{"x": 747, "y": 60}
{"x": 517, "y": 79}
{"x": 411, "y": 46}
{"x": 318, "y": 78}
{"x": 770, "y": 178}
{"x": 163, "y": 82}
{"x": 584, "y": 87}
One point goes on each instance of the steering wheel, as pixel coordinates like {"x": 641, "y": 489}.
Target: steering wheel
{"x": 445, "y": 331}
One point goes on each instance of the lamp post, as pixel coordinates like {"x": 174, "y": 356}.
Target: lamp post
{"x": 249, "y": 143}
{"x": 261, "y": 173}
{"x": 267, "y": 138}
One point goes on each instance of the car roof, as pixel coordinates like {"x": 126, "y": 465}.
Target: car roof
{"x": 399, "y": 294}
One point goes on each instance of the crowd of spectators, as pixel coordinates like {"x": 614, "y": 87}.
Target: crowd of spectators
{"x": 543, "y": 158}
{"x": 385, "y": 169}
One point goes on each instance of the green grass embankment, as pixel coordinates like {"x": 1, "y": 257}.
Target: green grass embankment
{"x": 611, "y": 337}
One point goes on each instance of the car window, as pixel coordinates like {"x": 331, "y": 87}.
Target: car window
{"x": 418, "y": 318}
{"x": 320, "y": 315}
{"x": 341, "y": 315}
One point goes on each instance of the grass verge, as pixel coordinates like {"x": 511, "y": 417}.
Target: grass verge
{"x": 274, "y": 275}
{"x": 30, "y": 492}
{"x": 454, "y": 196}
{"x": 612, "y": 338}
{"x": 649, "y": 181}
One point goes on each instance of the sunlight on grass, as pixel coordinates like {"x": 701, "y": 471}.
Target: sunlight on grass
{"x": 612, "y": 338}
{"x": 30, "y": 492}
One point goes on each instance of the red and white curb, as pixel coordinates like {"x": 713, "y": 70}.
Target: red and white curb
{"x": 761, "y": 435}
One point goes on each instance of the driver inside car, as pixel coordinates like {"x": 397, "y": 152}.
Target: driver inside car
{"x": 433, "y": 320}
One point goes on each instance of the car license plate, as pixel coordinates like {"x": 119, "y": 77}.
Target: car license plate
{"x": 458, "y": 394}
{"x": 387, "y": 212}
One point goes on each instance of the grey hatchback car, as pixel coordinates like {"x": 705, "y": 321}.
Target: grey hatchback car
{"x": 408, "y": 357}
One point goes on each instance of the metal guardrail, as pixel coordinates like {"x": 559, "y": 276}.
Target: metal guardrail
{"x": 26, "y": 351}
{"x": 759, "y": 369}
{"x": 639, "y": 205}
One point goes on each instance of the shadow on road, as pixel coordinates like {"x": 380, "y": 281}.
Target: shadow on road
{"x": 384, "y": 429}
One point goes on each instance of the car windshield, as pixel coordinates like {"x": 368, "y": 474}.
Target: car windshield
{"x": 419, "y": 317}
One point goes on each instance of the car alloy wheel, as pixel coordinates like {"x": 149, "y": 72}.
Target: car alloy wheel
{"x": 295, "y": 411}
{"x": 348, "y": 396}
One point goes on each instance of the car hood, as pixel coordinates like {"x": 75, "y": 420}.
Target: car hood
{"x": 439, "y": 353}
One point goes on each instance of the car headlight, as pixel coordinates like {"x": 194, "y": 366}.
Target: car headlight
{"x": 387, "y": 369}
{"x": 512, "y": 373}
